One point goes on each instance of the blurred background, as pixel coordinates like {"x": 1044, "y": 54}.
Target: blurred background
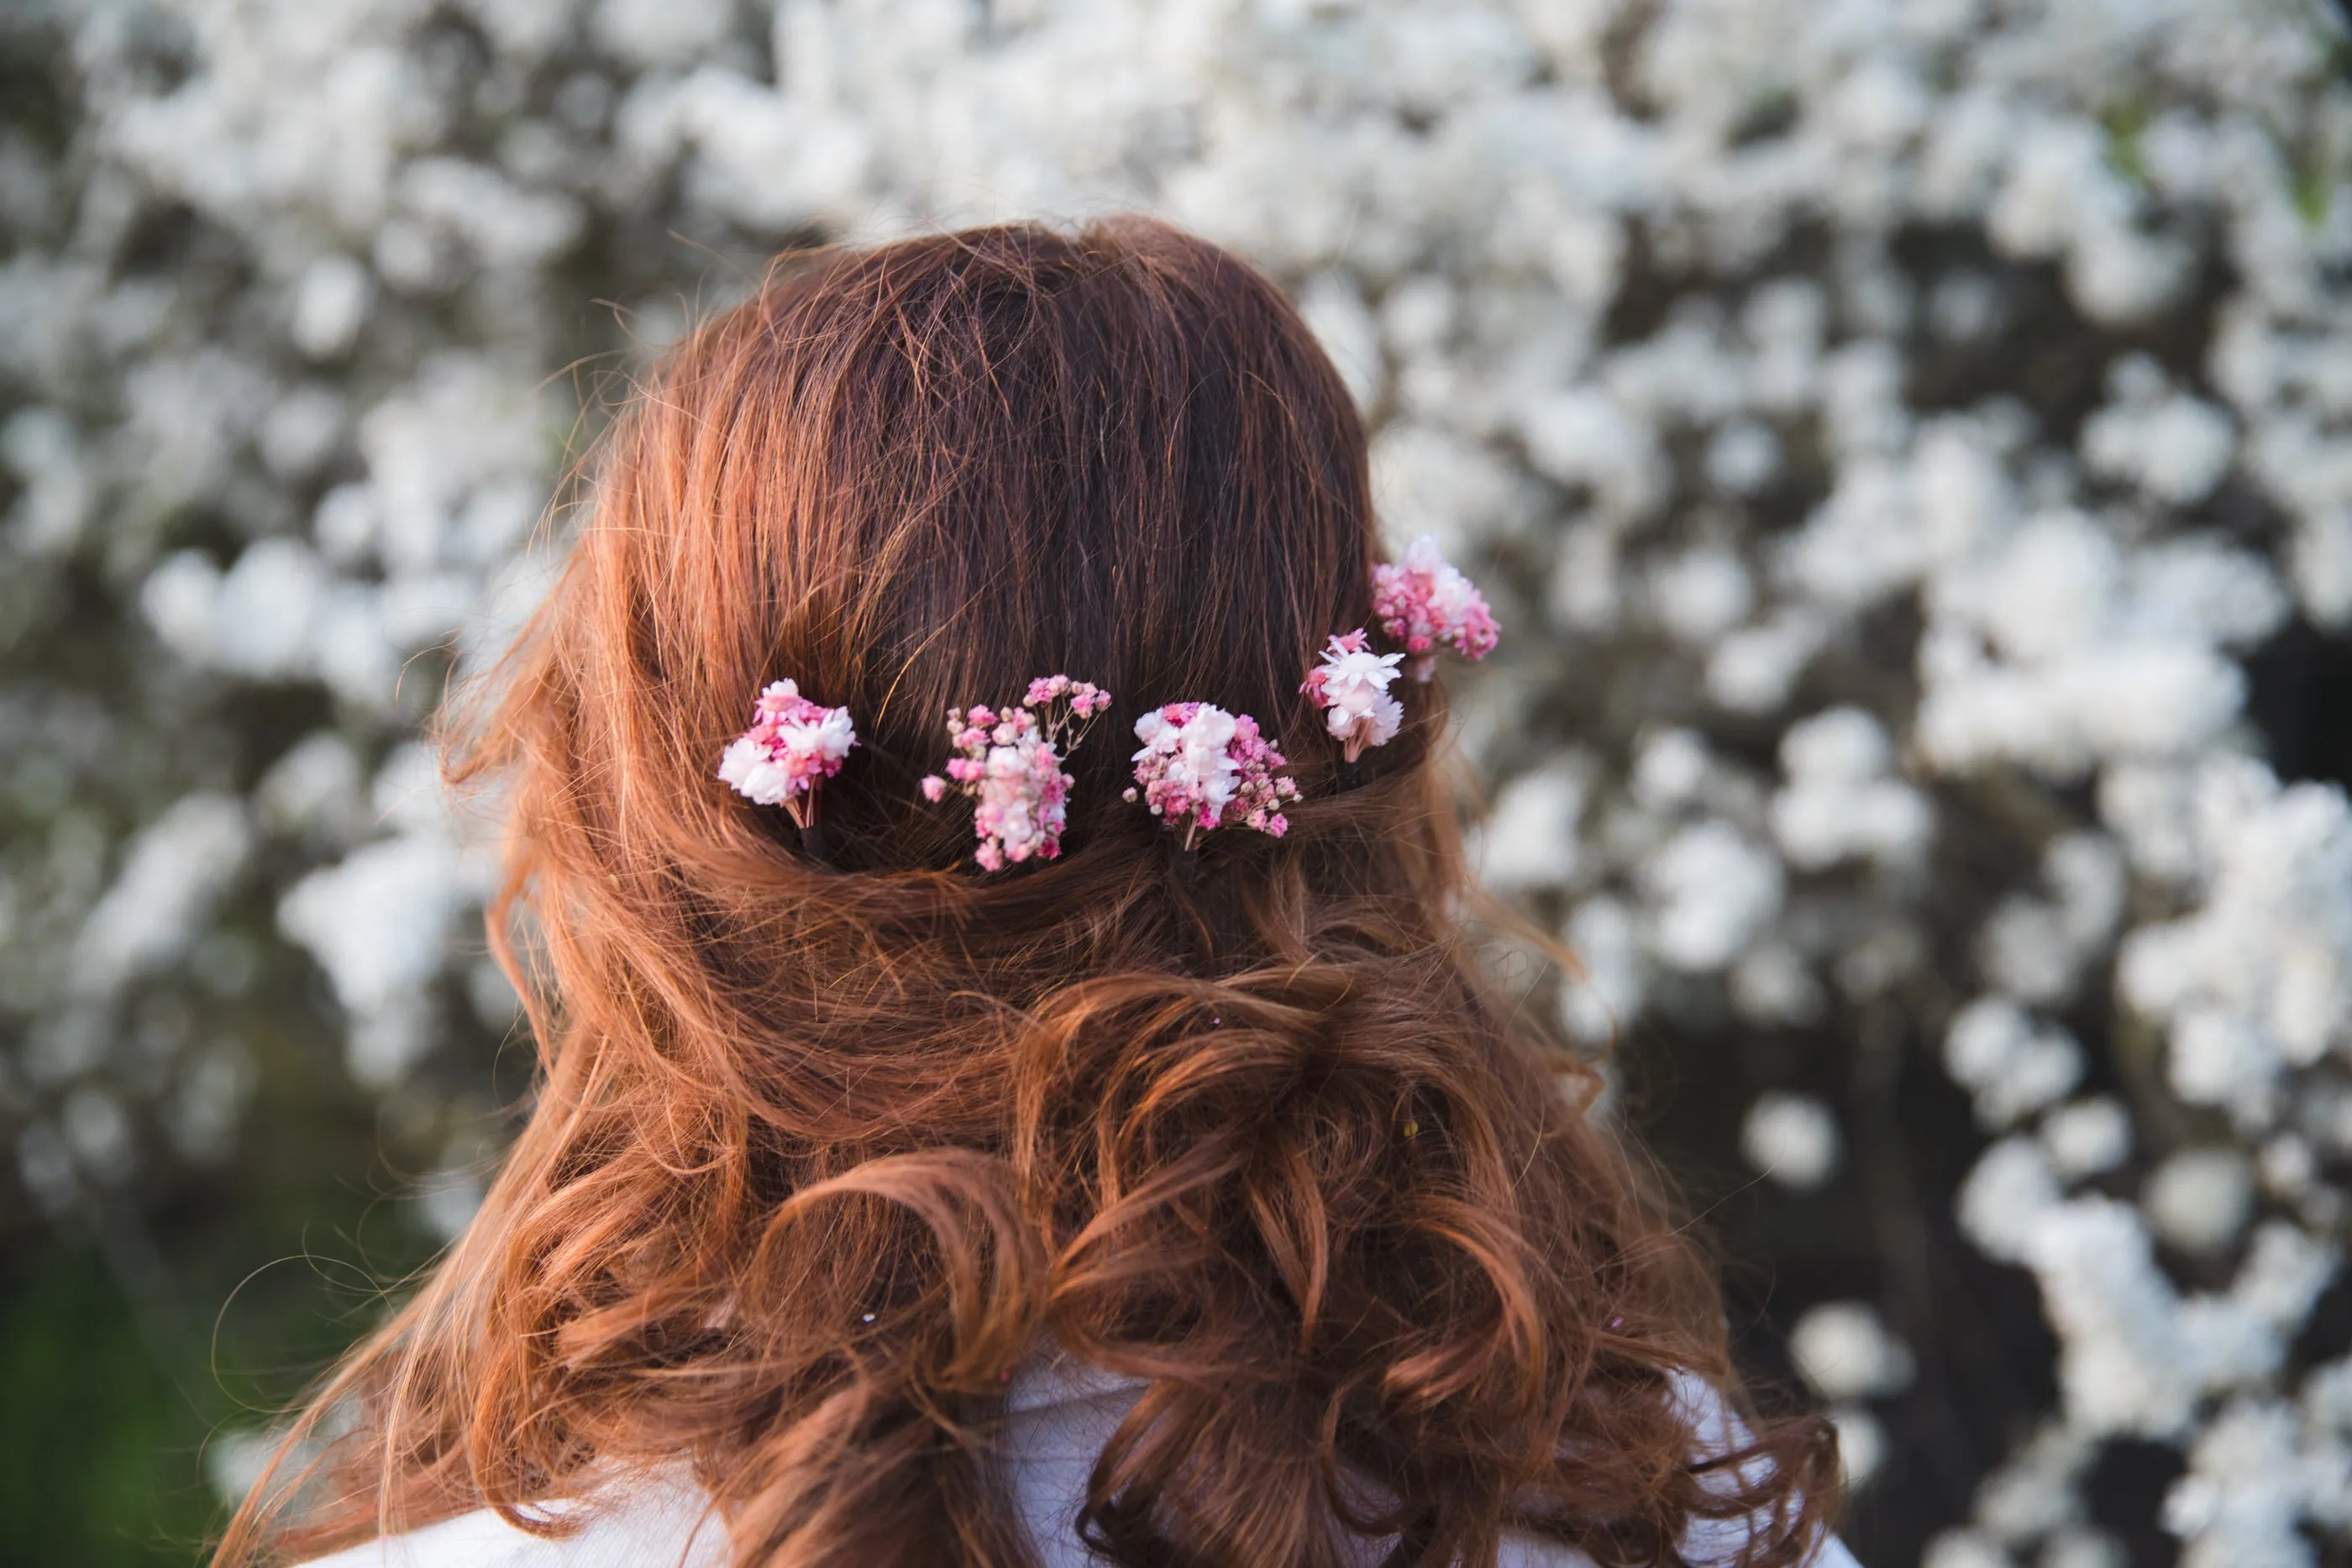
{"x": 1909, "y": 443}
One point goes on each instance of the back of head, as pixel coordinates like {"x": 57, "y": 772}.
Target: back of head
{"x": 825, "y": 1146}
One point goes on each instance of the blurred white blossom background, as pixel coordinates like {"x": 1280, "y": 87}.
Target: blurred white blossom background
{"x": 1910, "y": 441}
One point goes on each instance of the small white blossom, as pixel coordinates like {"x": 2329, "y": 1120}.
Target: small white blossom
{"x": 2200, "y": 1199}
{"x": 2086, "y": 1137}
{"x": 1841, "y": 802}
{"x": 1711, "y": 891}
{"x": 1792, "y": 1138}
{"x": 176, "y": 870}
{"x": 1845, "y": 1352}
{"x": 1862, "y": 1442}
{"x": 2013, "y": 1066}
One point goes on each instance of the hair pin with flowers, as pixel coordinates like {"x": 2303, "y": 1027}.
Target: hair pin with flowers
{"x": 1202, "y": 767}
{"x": 1351, "y": 684}
{"x": 1424, "y": 603}
{"x": 792, "y": 746}
{"x": 1009, "y": 764}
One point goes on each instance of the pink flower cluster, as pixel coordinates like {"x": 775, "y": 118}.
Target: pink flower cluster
{"x": 1205, "y": 767}
{"x": 793, "y": 746}
{"x": 1085, "y": 700}
{"x": 1422, "y": 602}
{"x": 1352, "y": 686}
{"x": 1009, "y": 763}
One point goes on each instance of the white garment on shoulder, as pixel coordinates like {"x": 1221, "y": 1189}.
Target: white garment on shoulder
{"x": 1058, "y": 1415}
{"x": 657, "y": 1520}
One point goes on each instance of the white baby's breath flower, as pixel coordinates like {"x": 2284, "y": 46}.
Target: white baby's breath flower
{"x": 1845, "y": 1352}
{"x": 1792, "y": 1138}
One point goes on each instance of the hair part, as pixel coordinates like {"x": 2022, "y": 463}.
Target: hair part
{"x": 820, "y": 1152}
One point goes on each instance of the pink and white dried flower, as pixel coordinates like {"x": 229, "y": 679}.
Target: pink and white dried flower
{"x": 1423, "y": 602}
{"x": 793, "y": 746}
{"x": 1352, "y": 686}
{"x": 1205, "y": 768}
{"x": 1009, "y": 764}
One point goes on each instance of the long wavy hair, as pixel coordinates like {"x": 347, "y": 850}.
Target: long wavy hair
{"x": 824, "y": 1147}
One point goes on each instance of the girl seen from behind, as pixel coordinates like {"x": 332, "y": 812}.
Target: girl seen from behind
{"x": 1076, "y": 1132}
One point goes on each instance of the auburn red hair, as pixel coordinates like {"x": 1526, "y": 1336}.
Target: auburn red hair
{"x": 822, "y": 1150}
